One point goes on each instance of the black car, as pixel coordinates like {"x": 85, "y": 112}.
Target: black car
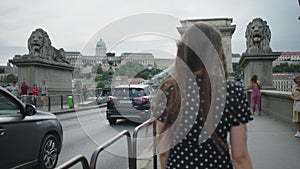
{"x": 130, "y": 102}
{"x": 28, "y": 138}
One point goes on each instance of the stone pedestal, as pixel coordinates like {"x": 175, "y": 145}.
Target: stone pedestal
{"x": 225, "y": 26}
{"x": 57, "y": 75}
{"x": 261, "y": 65}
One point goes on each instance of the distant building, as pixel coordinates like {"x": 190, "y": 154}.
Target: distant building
{"x": 283, "y": 81}
{"x": 78, "y": 60}
{"x": 145, "y": 59}
{"x": 288, "y": 57}
{"x": 161, "y": 63}
{"x": 236, "y": 58}
{"x": 100, "y": 48}
{"x": 75, "y": 58}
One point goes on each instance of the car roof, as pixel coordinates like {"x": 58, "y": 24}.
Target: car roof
{"x": 131, "y": 86}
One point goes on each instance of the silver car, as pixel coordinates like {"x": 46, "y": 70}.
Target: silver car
{"x": 28, "y": 138}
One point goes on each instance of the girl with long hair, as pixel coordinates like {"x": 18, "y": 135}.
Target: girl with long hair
{"x": 197, "y": 107}
{"x": 256, "y": 94}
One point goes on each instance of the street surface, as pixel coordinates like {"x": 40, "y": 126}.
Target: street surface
{"x": 85, "y": 130}
{"x": 271, "y": 143}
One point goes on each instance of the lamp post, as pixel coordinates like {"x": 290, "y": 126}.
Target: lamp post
{"x": 150, "y": 73}
{"x": 109, "y": 59}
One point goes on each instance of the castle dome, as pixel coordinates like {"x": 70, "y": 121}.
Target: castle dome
{"x": 100, "y": 43}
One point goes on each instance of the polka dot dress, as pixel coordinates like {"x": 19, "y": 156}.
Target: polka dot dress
{"x": 188, "y": 152}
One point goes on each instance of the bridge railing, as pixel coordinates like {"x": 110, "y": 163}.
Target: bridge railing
{"x": 131, "y": 145}
{"x": 135, "y": 139}
{"x": 96, "y": 153}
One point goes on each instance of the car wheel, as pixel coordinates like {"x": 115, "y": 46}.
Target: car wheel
{"x": 112, "y": 120}
{"x": 48, "y": 156}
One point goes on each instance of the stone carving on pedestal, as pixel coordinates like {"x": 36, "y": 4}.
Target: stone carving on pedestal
{"x": 44, "y": 63}
{"x": 258, "y": 37}
{"x": 39, "y": 46}
{"x": 258, "y": 56}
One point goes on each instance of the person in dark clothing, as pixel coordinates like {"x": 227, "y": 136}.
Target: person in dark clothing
{"x": 24, "y": 91}
{"x": 197, "y": 107}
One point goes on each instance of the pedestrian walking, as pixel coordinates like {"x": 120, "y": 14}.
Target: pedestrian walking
{"x": 197, "y": 107}
{"x": 14, "y": 89}
{"x": 44, "y": 93}
{"x": 35, "y": 93}
{"x": 256, "y": 94}
{"x": 296, "y": 97}
{"x": 239, "y": 82}
{"x": 24, "y": 92}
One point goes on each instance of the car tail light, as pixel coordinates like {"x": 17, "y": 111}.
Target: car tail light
{"x": 143, "y": 98}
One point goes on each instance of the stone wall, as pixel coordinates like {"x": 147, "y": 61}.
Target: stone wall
{"x": 278, "y": 105}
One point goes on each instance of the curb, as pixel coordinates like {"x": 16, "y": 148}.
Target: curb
{"x": 62, "y": 111}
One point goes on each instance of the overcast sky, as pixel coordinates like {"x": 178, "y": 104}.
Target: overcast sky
{"x": 76, "y": 25}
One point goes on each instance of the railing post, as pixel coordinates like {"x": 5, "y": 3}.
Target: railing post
{"x": 61, "y": 102}
{"x": 49, "y": 103}
{"x": 154, "y": 145}
{"x": 134, "y": 142}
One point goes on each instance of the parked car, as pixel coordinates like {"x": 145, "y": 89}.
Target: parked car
{"x": 102, "y": 96}
{"x": 101, "y": 99}
{"x": 130, "y": 102}
{"x": 28, "y": 138}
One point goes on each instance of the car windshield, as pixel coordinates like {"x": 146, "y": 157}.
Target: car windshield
{"x": 131, "y": 92}
{"x": 7, "y": 107}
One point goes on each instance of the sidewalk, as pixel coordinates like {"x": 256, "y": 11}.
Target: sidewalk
{"x": 56, "y": 109}
{"x": 271, "y": 145}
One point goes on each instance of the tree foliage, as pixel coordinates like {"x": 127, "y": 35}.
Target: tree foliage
{"x": 101, "y": 77}
{"x": 130, "y": 69}
{"x": 136, "y": 70}
{"x": 237, "y": 70}
{"x": 286, "y": 68}
{"x": 10, "y": 78}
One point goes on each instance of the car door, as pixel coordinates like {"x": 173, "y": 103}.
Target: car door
{"x": 16, "y": 145}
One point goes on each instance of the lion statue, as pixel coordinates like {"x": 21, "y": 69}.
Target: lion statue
{"x": 39, "y": 46}
{"x": 258, "y": 37}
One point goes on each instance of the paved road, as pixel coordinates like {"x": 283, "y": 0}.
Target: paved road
{"x": 271, "y": 143}
{"x": 85, "y": 130}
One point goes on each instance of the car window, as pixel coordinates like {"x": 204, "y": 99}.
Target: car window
{"x": 136, "y": 92}
{"x": 7, "y": 106}
{"x": 120, "y": 92}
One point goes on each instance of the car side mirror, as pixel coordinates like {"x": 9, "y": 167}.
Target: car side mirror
{"x": 30, "y": 109}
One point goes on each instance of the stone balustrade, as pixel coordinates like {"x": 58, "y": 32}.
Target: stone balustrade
{"x": 277, "y": 104}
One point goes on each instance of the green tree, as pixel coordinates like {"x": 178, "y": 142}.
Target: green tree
{"x": 136, "y": 70}
{"x": 237, "y": 70}
{"x": 129, "y": 69}
{"x": 10, "y": 78}
{"x": 286, "y": 68}
{"x": 97, "y": 69}
{"x": 101, "y": 83}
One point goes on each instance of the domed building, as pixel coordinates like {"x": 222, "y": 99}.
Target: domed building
{"x": 100, "y": 48}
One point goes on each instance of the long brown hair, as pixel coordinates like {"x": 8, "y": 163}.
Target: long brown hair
{"x": 187, "y": 55}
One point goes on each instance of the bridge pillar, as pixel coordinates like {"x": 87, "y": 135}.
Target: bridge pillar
{"x": 261, "y": 65}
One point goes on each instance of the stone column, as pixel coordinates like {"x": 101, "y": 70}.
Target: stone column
{"x": 224, "y": 25}
{"x": 261, "y": 65}
{"x": 57, "y": 75}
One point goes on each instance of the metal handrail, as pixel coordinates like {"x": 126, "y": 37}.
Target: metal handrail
{"x": 110, "y": 142}
{"x": 73, "y": 161}
{"x": 134, "y": 142}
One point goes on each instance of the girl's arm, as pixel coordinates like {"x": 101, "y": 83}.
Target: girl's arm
{"x": 239, "y": 150}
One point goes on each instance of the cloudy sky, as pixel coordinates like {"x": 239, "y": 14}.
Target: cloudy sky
{"x": 76, "y": 25}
